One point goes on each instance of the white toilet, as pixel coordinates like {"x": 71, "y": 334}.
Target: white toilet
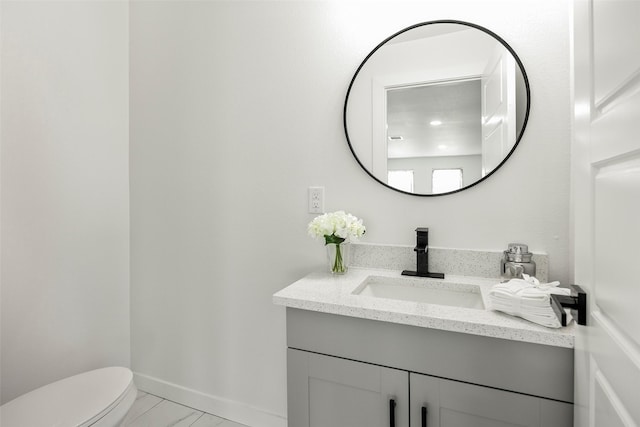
{"x": 99, "y": 398}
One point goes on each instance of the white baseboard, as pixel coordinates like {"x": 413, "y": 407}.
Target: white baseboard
{"x": 224, "y": 408}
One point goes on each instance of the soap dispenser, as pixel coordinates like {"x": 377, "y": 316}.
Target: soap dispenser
{"x": 516, "y": 262}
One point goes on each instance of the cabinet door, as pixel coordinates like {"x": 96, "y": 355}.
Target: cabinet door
{"x": 326, "y": 391}
{"x": 456, "y": 404}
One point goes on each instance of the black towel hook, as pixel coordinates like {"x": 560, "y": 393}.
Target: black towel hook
{"x": 577, "y": 301}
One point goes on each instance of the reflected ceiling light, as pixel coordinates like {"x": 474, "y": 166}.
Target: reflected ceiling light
{"x": 435, "y": 123}
{"x": 442, "y": 147}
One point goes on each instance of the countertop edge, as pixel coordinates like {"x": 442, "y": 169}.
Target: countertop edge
{"x": 488, "y": 330}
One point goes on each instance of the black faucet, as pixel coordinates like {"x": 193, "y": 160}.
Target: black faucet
{"x": 422, "y": 251}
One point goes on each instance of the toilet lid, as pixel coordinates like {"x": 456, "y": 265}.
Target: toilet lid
{"x": 80, "y": 400}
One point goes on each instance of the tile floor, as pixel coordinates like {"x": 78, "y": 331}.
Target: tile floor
{"x": 153, "y": 411}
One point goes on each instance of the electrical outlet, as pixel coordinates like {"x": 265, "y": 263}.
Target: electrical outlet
{"x": 316, "y": 199}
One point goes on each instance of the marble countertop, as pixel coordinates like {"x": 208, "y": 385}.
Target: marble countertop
{"x": 327, "y": 293}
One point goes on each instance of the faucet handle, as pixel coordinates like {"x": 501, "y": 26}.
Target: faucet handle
{"x": 422, "y": 239}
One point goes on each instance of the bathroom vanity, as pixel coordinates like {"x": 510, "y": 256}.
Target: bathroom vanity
{"x": 375, "y": 348}
{"x": 361, "y": 355}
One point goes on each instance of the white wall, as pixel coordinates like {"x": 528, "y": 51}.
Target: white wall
{"x": 236, "y": 108}
{"x": 65, "y": 201}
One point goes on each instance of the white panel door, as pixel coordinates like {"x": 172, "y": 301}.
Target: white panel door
{"x": 606, "y": 209}
{"x": 498, "y": 100}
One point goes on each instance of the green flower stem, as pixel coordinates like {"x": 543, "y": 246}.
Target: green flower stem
{"x": 338, "y": 264}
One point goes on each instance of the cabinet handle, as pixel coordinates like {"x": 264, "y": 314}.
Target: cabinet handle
{"x": 392, "y": 413}
{"x": 424, "y": 416}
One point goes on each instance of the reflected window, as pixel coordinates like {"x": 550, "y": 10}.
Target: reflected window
{"x": 401, "y": 179}
{"x": 445, "y": 180}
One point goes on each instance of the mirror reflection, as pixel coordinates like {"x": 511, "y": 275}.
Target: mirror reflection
{"x": 436, "y": 108}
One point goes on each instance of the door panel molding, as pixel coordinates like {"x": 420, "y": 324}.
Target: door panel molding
{"x": 606, "y": 208}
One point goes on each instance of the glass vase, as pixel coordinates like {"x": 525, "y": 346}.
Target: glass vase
{"x": 338, "y": 257}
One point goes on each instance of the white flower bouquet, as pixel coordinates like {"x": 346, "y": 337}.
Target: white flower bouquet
{"x": 336, "y": 228}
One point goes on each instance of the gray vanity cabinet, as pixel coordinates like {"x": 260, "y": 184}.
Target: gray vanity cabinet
{"x": 328, "y": 391}
{"x": 343, "y": 372}
{"x": 456, "y": 404}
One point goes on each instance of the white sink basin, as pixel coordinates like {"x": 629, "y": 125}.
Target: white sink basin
{"x": 418, "y": 289}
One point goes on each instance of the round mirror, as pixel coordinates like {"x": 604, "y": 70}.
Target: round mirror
{"x": 436, "y": 108}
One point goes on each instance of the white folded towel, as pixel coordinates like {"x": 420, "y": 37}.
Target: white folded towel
{"x": 527, "y": 298}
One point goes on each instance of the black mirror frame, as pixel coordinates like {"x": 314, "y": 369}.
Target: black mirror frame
{"x": 442, "y": 21}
